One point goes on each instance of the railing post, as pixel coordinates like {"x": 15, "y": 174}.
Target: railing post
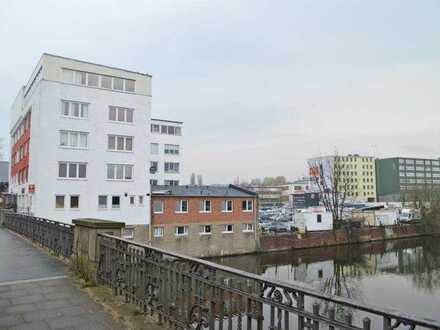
{"x": 85, "y": 238}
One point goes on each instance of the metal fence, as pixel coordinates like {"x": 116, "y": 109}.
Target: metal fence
{"x": 54, "y": 235}
{"x": 190, "y": 293}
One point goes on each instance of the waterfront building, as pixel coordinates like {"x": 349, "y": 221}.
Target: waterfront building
{"x": 202, "y": 220}
{"x": 79, "y": 134}
{"x": 398, "y": 177}
{"x": 166, "y": 152}
{"x": 356, "y": 175}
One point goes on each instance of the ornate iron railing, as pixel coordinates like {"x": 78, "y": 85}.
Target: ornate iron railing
{"x": 54, "y": 235}
{"x": 190, "y": 293}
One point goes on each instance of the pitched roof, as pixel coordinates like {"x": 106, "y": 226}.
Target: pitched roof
{"x": 194, "y": 191}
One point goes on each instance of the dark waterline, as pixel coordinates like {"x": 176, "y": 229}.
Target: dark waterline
{"x": 401, "y": 274}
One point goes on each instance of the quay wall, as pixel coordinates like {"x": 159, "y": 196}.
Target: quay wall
{"x": 289, "y": 241}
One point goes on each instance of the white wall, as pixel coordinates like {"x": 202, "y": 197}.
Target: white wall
{"x": 308, "y": 219}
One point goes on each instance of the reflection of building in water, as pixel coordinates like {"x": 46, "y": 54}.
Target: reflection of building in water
{"x": 314, "y": 272}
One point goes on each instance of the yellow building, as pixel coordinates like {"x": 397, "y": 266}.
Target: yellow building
{"x": 357, "y": 177}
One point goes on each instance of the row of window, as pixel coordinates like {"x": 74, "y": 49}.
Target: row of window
{"x": 419, "y": 174}
{"x": 354, "y": 166}
{"x": 97, "y": 80}
{"x": 418, "y": 168}
{"x": 168, "y": 149}
{"x": 79, "y": 140}
{"x": 22, "y": 152}
{"x": 22, "y": 128}
{"x": 75, "y": 109}
{"x": 166, "y": 129}
{"x": 354, "y": 158}
{"x": 205, "y": 206}
{"x": 168, "y": 167}
{"x": 353, "y": 180}
{"x": 104, "y": 201}
{"x": 78, "y": 170}
{"x": 411, "y": 180}
{"x": 155, "y": 182}
{"x": 419, "y": 162}
{"x": 158, "y": 231}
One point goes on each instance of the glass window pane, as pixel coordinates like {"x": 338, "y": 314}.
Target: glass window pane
{"x": 110, "y": 171}
{"x": 102, "y": 201}
{"x": 83, "y": 140}
{"x": 118, "y": 83}
{"x": 65, "y": 108}
{"x": 112, "y": 113}
{"x": 62, "y": 170}
{"x": 59, "y": 202}
{"x": 129, "y": 114}
{"x": 80, "y": 78}
{"x": 154, "y": 148}
{"x": 119, "y": 172}
{"x": 164, "y": 129}
{"x": 75, "y": 111}
{"x": 116, "y": 201}
{"x": 74, "y": 202}
{"x": 129, "y": 85}
{"x": 177, "y": 131}
{"x": 63, "y": 138}
{"x": 84, "y": 110}
{"x": 112, "y": 142}
{"x": 129, "y": 143}
{"x": 128, "y": 172}
{"x": 92, "y": 79}
{"x": 120, "y": 143}
{"x": 73, "y": 139}
{"x": 106, "y": 82}
{"x": 121, "y": 112}
{"x": 82, "y": 169}
{"x": 171, "y": 130}
{"x": 72, "y": 170}
{"x": 67, "y": 76}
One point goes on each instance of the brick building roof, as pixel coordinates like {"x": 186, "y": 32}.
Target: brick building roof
{"x": 194, "y": 191}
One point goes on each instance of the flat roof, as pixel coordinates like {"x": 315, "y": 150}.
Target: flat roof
{"x": 167, "y": 121}
{"x": 102, "y": 65}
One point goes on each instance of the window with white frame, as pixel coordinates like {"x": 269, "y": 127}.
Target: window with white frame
{"x": 154, "y": 148}
{"x": 74, "y": 201}
{"x": 227, "y": 206}
{"x": 120, "y": 143}
{"x": 181, "y": 230}
{"x": 71, "y": 170}
{"x": 158, "y": 207}
{"x": 153, "y": 182}
{"x": 116, "y": 202}
{"x": 247, "y": 205}
{"x": 59, "y": 201}
{"x": 154, "y": 167}
{"x": 119, "y": 172}
{"x": 181, "y": 206}
{"x": 74, "y": 109}
{"x": 102, "y": 201}
{"x": 96, "y": 80}
{"x": 155, "y": 128}
{"x": 205, "y": 205}
{"x": 73, "y": 139}
{"x": 248, "y": 227}
{"x": 132, "y": 200}
{"x": 171, "y": 182}
{"x": 205, "y": 230}
{"x": 228, "y": 228}
{"x": 120, "y": 114}
{"x": 171, "y": 167}
{"x": 106, "y": 82}
{"x": 157, "y": 231}
{"x": 171, "y": 149}
{"x": 141, "y": 200}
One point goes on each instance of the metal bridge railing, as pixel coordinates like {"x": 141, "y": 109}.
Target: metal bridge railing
{"x": 190, "y": 293}
{"x": 54, "y": 235}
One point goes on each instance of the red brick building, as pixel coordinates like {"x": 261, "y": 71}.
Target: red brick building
{"x": 203, "y": 220}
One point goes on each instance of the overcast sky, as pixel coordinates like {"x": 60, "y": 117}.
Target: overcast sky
{"x": 260, "y": 85}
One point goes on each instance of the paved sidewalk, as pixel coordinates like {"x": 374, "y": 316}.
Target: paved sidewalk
{"x": 48, "y": 305}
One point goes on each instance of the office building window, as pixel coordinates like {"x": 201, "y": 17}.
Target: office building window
{"x": 171, "y": 149}
{"x": 106, "y": 82}
{"x": 59, "y": 201}
{"x": 228, "y": 228}
{"x": 158, "y": 207}
{"x": 153, "y": 182}
{"x": 247, "y": 205}
{"x": 181, "y": 230}
{"x": 119, "y": 172}
{"x": 171, "y": 167}
{"x": 154, "y": 167}
{"x": 154, "y": 148}
{"x": 74, "y": 201}
{"x": 119, "y": 114}
{"x": 132, "y": 200}
{"x": 227, "y": 206}
{"x": 74, "y": 109}
{"x": 102, "y": 201}
{"x": 72, "y": 170}
{"x": 141, "y": 200}
{"x": 120, "y": 143}
{"x": 129, "y": 85}
{"x": 248, "y": 227}
{"x": 171, "y": 182}
{"x": 73, "y": 139}
{"x": 93, "y": 79}
{"x": 157, "y": 231}
{"x": 116, "y": 202}
{"x": 205, "y": 230}
{"x": 205, "y": 205}
{"x": 181, "y": 206}
{"x": 155, "y": 128}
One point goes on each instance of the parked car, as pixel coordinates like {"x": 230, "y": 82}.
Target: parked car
{"x": 278, "y": 228}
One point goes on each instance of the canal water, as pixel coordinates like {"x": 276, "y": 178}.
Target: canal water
{"x": 401, "y": 274}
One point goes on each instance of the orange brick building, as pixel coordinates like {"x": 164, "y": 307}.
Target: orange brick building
{"x": 203, "y": 220}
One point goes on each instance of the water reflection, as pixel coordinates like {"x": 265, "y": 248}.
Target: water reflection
{"x": 402, "y": 274}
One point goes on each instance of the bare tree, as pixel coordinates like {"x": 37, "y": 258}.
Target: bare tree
{"x": 327, "y": 175}
{"x": 192, "y": 181}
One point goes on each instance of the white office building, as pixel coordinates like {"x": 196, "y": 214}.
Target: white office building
{"x": 79, "y": 136}
{"x": 166, "y": 152}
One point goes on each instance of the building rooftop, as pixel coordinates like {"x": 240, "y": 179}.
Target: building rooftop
{"x": 194, "y": 191}
{"x": 167, "y": 121}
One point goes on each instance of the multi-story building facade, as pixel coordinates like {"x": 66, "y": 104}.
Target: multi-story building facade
{"x": 355, "y": 173}
{"x": 166, "y": 152}
{"x": 203, "y": 220}
{"x": 303, "y": 193}
{"x": 78, "y": 134}
{"x": 399, "y": 176}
